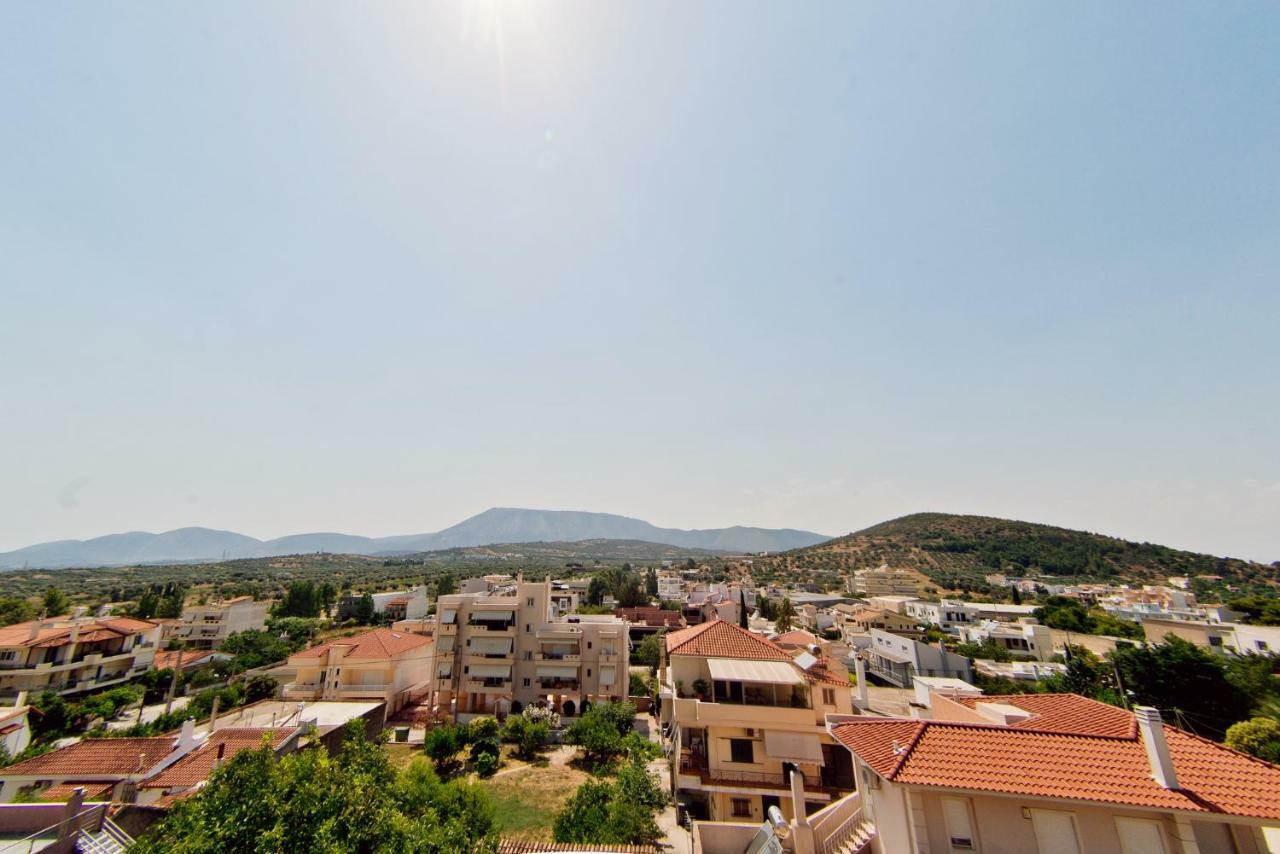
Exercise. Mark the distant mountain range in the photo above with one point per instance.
(496, 525)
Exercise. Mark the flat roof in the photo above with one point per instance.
(327, 714)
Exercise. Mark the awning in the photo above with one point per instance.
(445, 644)
(445, 669)
(490, 671)
(749, 670)
(557, 671)
(793, 746)
(449, 615)
(491, 646)
(606, 676)
(493, 616)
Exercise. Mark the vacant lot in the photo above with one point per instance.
(527, 798)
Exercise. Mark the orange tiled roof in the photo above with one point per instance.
(197, 765)
(20, 634)
(96, 757)
(169, 658)
(824, 672)
(1064, 765)
(796, 637)
(1069, 713)
(94, 790)
(376, 644)
(718, 639)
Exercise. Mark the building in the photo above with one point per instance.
(1227, 638)
(858, 619)
(1053, 774)
(207, 626)
(500, 653)
(670, 586)
(648, 621)
(948, 615)
(1027, 639)
(1019, 671)
(886, 582)
(898, 660)
(891, 602)
(128, 769)
(391, 606)
(70, 655)
(168, 659)
(743, 716)
(15, 728)
(379, 665)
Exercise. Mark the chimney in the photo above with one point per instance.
(1152, 729)
(187, 737)
(222, 749)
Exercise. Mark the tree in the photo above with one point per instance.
(786, 614)
(630, 594)
(308, 801)
(596, 590)
(1060, 612)
(1181, 677)
(254, 648)
(651, 583)
(148, 604)
(56, 603)
(15, 610)
(442, 744)
(600, 730)
(527, 735)
(301, 599)
(1015, 594)
(365, 609)
(621, 813)
(649, 651)
(585, 816)
(742, 609)
(328, 595)
(1258, 737)
(260, 687)
(446, 584)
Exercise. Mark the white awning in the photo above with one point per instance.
(606, 676)
(750, 670)
(493, 616)
(557, 671)
(490, 671)
(491, 646)
(448, 616)
(444, 644)
(445, 669)
(793, 747)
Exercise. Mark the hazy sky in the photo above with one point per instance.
(376, 267)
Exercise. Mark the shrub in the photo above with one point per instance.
(483, 729)
(486, 764)
(528, 736)
(442, 745)
(1258, 737)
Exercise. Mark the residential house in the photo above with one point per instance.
(168, 659)
(948, 615)
(648, 621)
(886, 582)
(207, 626)
(888, 602)
(391, 606)
(15, 727)
(1053, 774)
(898, 660)
(743, 716)
(379, 665)
(500, 653)
(859, 619)
(1019, 671)
(71, 655)
(670, 586)
(1027, 639)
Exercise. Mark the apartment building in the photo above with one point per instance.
(1051, 774)
(886, 582)
(898, 660)
(393, 605)
(70, 655)
(1026, 639)
(744, 716)
(947, 615)
(207, 626)
(500, 653)
(381, 665)
(1226, 638)
(670, 586)
(857, 619)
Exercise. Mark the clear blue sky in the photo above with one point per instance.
(284, 267)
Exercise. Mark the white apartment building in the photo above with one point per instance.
(1024, 639)
(500, 653)
(885, 582)
(393, 605)
(670, 588)
(898, 660)
(207, 626)
(947, 615)
(70, 655)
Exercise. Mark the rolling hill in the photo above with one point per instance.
(496, 525)
(954, 549)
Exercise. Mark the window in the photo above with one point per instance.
(742, 750)
(9, 655)
(959, 824)
(1055, 832)
(588, 671)
(526, 628)
(588, 644)
(1215, 640)
(528, 655)
(528, 603)
(1140, 836)
(526, 683)
(829, 696)
(742, 808)
(1261, 645)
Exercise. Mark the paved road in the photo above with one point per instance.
(149, 714)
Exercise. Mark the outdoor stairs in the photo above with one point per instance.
(109, 839)
(859, 842)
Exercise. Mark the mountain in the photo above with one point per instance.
(497, 525)
(958, 551)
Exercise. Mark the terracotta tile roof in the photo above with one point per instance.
(376, 644)
(105, 757)
(718, 639)
(796, 637)
(1069, 713)
(650, 616)
(1064, 765)
(59, 634)
(169, 658)
(94, 790)
(825, 672)
(528, 846)
(197, 765)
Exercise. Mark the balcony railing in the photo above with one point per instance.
(487, 684)
(559, 656)
(558, 684)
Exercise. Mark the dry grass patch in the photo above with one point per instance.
(528, 799)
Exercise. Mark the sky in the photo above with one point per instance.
(376, 267)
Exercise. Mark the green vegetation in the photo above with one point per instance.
(1258, 737)
(613, 813)
(528, 735)
(1259, 610)
(1060, 612)
(307, 801)
(649, 651)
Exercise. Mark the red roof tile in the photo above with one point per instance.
(105, 757)
(169, 658)
(825, 672)
(1064, 765)
(718, 639)
(62, 792)
(197, 765)
(796, 637)
(377, 644)
(1068, 713)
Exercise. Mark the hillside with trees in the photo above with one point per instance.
(958, 551)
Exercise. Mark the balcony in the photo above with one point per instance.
(558, 656)
(689, 711)
(559, 684)
(492, 626)
(487, 685)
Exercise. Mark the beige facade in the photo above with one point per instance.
(207, 626)
(380, 665)
(70, 655)
(499, 653)
(756, 721)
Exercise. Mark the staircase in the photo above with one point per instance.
(109, 839)
(858, 842)
(840, 828)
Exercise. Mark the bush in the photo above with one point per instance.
(528, 736)
(599, 732)
(260, 687)
(483, 729)
(543, 714)
(442, 745)
(1258, 737)
(486, 764)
